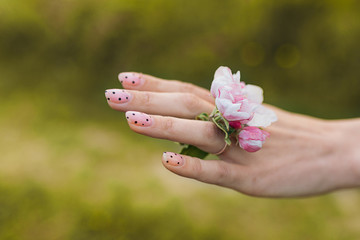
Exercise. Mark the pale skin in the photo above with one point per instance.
(303, 156)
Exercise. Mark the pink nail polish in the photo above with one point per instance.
(173, 159)
(139, 119)
(131, 79)
(117, 95)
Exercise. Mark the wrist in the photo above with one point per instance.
(346, 134)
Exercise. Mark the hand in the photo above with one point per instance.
(303, 155)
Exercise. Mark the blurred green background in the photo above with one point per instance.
(71, 169)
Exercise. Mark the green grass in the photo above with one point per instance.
(66, 178)
(70, 168)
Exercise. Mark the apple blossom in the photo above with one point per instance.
(251, 139)
(240, 106)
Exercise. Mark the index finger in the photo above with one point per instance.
(144, 82)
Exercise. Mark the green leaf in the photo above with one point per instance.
(226, 124)
(193, 151)
(232, 130)
(221, 127)
(203, 117)
(214, 112)
(228, 141)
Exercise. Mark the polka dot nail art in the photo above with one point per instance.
(117, 96)
(131, 79)
(139, 119)
(173, 159)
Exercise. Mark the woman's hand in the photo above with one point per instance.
(303, 155)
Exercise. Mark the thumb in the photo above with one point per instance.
(209, 171)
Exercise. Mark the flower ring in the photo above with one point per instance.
(239, 111)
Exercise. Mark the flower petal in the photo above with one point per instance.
(224, 72)
(222, 104)
(251, 145)
(236, 77)
(263, 117)
(254, 93)
(216, 85)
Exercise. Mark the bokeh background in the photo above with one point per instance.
(71, 169)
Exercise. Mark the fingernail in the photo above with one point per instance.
(117, 95)
(173, 159)
(131, 79)
(139, 119)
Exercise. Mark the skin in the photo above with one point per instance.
(303, 156)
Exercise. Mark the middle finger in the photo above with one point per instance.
(202, 134)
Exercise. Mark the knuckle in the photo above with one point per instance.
(145, 99)
(220, 175)
(210, 131)
(191, 102)
(198, 171)
(188, 87)
(167, 125)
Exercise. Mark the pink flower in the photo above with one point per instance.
(224, 80)
(240, 102)
(235, 111)
(251, 139)
(223, 76)
(241, 106)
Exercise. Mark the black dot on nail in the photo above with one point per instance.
(135, 121)
(133, 82)
(143, 124)
(127, 98)
(178, 162)
(119, 99)
(113, 92)
(108, 98)
(167, 161)
(171, 156)
(127, 117)
(175, 154)
(147, 120)
(134, 114)
(125, 76)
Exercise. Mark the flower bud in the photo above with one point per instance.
(236, 125)
(251, 139)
